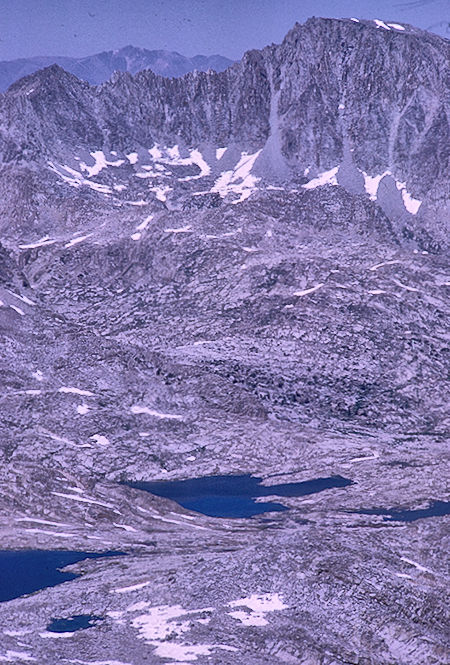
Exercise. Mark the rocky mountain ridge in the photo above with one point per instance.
(339, 100)
(96, 69)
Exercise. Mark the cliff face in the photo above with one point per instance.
(332, 88)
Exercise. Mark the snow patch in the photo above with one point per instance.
(184, 653)
(325, 178)
(259, 605)
(396, 26)
(220, 153)
(100, 163)
(158, 623)
(371, 183)
(381, 24)
(161, 192)
(132, 157)
(100, 439)
(143, 225)
(16, 655)
(411, 204)
(239, 180)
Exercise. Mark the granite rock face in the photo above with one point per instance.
(235, 272)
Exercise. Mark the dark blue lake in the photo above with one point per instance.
(26, 571)
(73, 623)
(234, 496)
(435, 509)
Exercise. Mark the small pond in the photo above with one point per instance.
(26, 571)
(435, 509)
(234, 496)
(73, 623)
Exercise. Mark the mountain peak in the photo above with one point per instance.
(98, 68)
(51, 76)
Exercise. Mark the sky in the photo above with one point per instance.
(229, 27)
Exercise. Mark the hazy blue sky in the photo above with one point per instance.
(228, 27)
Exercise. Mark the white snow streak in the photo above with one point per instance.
(416, 565)
(46, 240)
(181, 229)
(51, 533)
(75, 391)
(380, 265)
(24, 299)
(143, 225)
(18, 310)
(135, 587)
(405, 286)
(76, 240)
(375, 455)
(157, 414)
(16, 655)
(83, 499)
(307, 291)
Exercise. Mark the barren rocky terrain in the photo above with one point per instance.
(242, 272)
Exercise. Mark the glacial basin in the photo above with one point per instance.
(234, 496)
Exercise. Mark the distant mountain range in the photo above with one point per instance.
(98, 68)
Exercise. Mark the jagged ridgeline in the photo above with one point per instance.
(357, 103)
